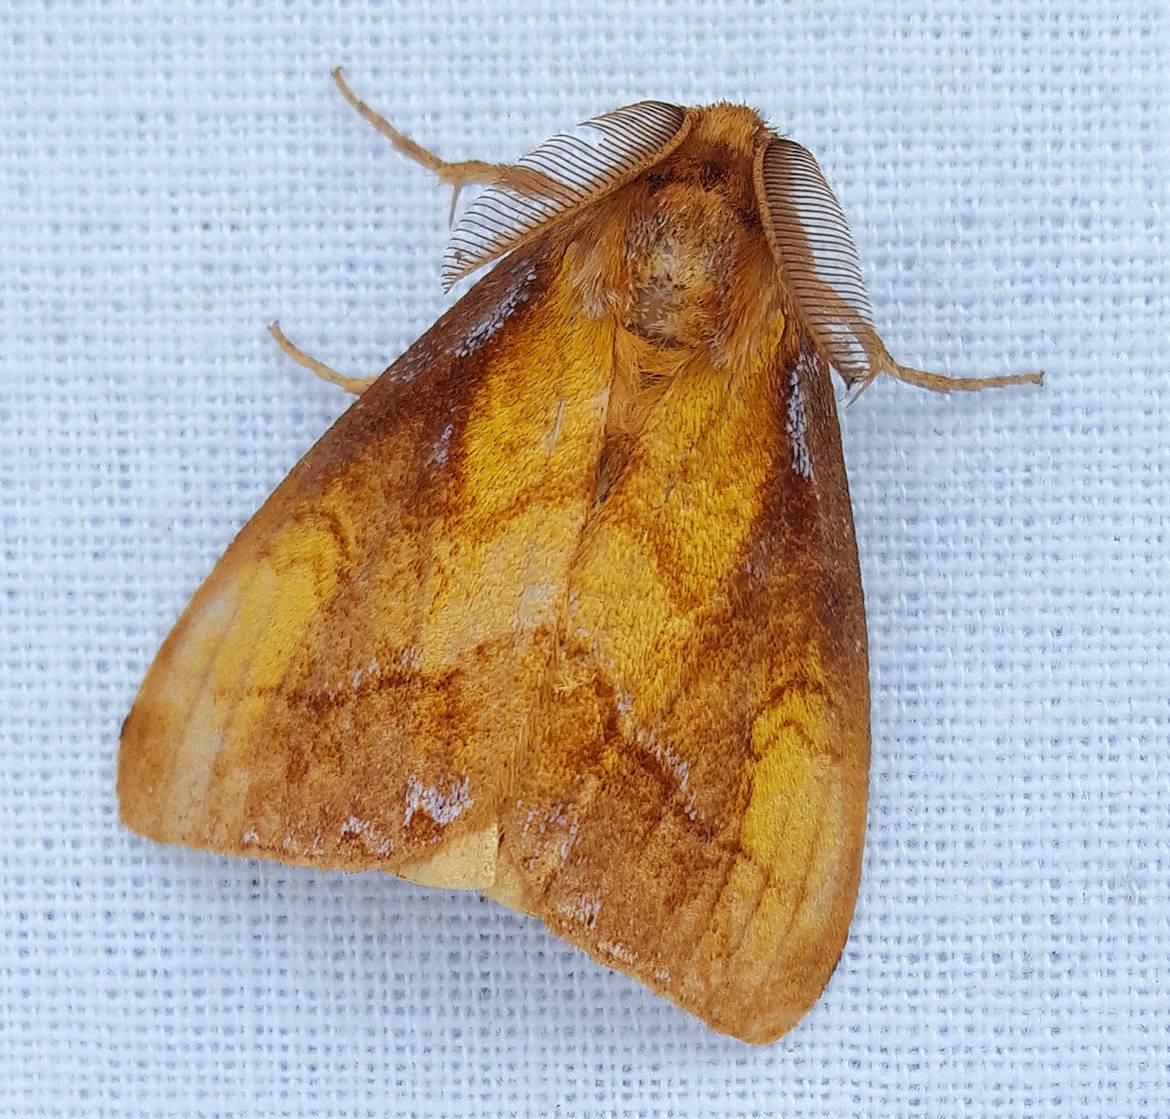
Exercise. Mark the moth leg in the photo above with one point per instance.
(356, 385)
(936, 382)
(456, 175)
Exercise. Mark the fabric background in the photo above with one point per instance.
(173, 177)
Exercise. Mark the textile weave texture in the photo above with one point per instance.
(175, 177)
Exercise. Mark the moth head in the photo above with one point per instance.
(696, 225)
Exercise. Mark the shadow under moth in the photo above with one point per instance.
(566, 607)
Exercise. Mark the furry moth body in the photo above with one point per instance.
(566, 608)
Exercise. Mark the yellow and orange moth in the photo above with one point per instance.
(566, 608)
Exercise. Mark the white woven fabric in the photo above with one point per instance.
(173, 177)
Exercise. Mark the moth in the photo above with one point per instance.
(566, 608)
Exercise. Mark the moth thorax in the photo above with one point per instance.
(698, 270)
